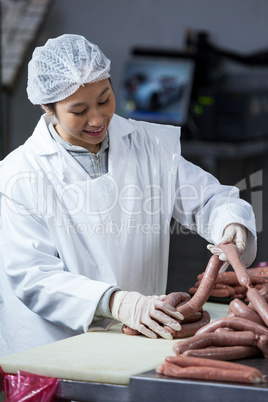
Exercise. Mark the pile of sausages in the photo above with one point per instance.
(243, 333)
(227, 284)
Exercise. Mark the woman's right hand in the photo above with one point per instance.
(145, 314)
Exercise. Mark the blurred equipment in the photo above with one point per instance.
(214, 94)
(157, 88)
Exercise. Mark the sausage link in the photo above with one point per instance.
(228, 278)
(220, 330)
(224, 286)
(224, 338)
(129, 331)
(236, 323)
(175, 298)
(220, 293)
(219, 290)
(192, 318)
(239, 296)
(230, 314)
(205, 288)
(262, 344)
(240, 290)
(258, 279)
(264, 292)
(224, 353)
(241, 310)
(259, 271)
(231, 252)
(208, 373)
(190, 329)
(259, 303)
(192, 290)
(185, 361)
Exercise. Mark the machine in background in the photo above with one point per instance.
(213, 94)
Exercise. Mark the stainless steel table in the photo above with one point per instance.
(151, 386)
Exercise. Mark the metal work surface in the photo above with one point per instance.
(151, 386)
(92, 392)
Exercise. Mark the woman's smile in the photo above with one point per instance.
(97, 132)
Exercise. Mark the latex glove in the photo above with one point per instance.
(145, 314)
(233, 233)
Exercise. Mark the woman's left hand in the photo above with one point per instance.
(233, 233)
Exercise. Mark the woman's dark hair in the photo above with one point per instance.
(51, 106)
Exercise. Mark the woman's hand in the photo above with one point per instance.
(145, 314)
(233, 233)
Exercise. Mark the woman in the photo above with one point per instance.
(86, 205)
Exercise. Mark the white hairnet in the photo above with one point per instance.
(61, 66)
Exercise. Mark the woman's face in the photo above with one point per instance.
(84, 116)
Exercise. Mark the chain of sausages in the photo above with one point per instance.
(227, 284)
(243, 333)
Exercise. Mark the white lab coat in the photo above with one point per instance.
(68, 238)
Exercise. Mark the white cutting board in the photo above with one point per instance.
(102, 356)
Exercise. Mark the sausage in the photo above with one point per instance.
(259, 271)
(207, 284)
(239, 296)
(190, 329)
(208, 373)
(233, 256)
(228, 278)
(259, 303)
(258, 279)
(224, 338)
(193, 290)
(216, 292)
(229, 314)
(224, 286)
(192, 318)
(175, 298)
(241, 310)
(185, 361)
(218, 285)
(224, 330)
(264, 292)
(223, 292)
(236, 323)
(224, 353)
(262, 344)
(240, 290)
(129, 331)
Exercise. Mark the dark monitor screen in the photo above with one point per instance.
(156, 89)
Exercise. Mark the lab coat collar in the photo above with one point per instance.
(45, 145)
(41, 138)
(120, 126)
